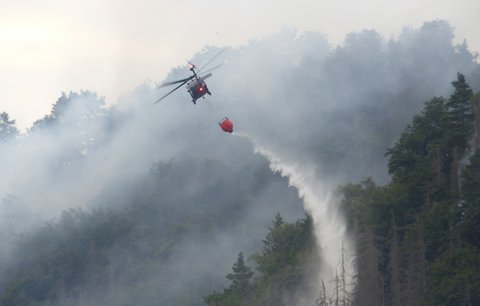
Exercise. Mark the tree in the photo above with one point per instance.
(454, 279)
(470, 205)
(460, 113)
(8, 129)
(279, 247)
(475, 99)
(284, 267)
(423, 141)
(425, 258)
(240, 278)
(214, 299)
(74, 109)
(460, 122)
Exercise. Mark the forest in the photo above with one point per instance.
(418, 237)
(134, 204)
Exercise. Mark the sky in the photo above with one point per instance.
(110, 47)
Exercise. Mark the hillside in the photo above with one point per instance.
(154, 249)
(418, 237)
(132, 203)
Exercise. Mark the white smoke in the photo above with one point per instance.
(321, 116)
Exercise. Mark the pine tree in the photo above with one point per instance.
(424, 140)
(278, 221)
(8, 129)
(460, 121)
(276, 246)
(240, 278)
(460, 112)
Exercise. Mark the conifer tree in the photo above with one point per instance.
(8, 130)
(240, 277)
(460, 125)
(460, 113)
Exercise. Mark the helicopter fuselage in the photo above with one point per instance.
(197, 88)
(195, 84)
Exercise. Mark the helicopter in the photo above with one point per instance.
(196, 86)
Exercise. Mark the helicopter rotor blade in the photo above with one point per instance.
(171, 91)
(213, 68)
(175, 82)
(212, 59)
(205, 76)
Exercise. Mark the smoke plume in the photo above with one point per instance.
(319, 116)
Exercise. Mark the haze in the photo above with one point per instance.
(113, 46)
(319, 114)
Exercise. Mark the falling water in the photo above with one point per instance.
(329, 222)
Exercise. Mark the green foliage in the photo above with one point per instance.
(240, 287)
(125, 256)
(65, 255)
(425, 233)
(367, 203)
(240, 278)
(218, 299)
(422, 144)
(282, 244)
(454, 279)
(437, 222)
(368, 209)
(460, 119)
(280, 263)
(470, 205)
